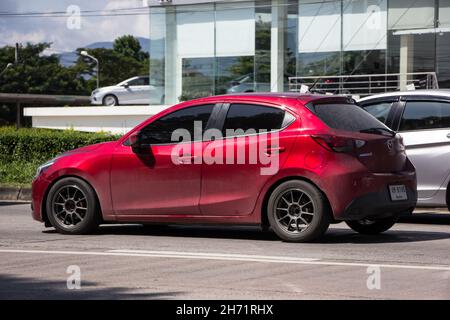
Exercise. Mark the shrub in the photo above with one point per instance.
(21, 151)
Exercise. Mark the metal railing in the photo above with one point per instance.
(365, 85)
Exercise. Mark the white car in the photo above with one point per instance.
(136, 90)
(422, 117)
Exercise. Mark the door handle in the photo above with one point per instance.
(275, 150)
(187, 159)
(448, 135)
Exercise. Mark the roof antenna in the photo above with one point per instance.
(314, 85)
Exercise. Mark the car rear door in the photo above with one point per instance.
(425, 127)
(249, 158)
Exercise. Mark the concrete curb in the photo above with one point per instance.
(15, 194)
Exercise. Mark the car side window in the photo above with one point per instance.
(422, 115)
(137, 82)
(379, 110)
(253, 117)
(160, 131)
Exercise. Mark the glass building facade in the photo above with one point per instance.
(201, 48)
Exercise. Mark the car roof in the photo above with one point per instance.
(274, 97)
(435, 93)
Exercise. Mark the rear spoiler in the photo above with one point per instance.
(329, 100)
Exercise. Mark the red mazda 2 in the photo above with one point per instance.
(293, 163)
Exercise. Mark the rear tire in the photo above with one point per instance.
(372, 227)
(72, 207)
(298, 212)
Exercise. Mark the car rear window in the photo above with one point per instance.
(346, 117)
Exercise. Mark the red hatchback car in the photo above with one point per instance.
(312, 160)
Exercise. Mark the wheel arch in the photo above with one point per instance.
(265, 202)
(47, 191)
(448, 196)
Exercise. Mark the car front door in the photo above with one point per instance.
(425, 127)
(231, 186)
(135, 92)
(149, 182)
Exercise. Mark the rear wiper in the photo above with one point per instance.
(379, 131)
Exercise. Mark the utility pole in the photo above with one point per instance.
(16, 54)
(18, 106)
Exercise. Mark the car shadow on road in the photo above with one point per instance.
(12, 203)
(334, 235)
(391, 236)
(14, 288)
(427, 218)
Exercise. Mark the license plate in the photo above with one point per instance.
(398, 193)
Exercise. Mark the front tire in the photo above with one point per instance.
(372, 227)
(72, 207)
(298, 212)
(110, 100)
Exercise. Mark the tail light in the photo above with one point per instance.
(337, 143)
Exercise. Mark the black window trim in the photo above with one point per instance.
(226, 107)
(209, 125)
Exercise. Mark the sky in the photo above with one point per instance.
(68, 32)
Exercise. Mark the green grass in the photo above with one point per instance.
(17, 173)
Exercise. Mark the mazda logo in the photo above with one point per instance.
(390, 145)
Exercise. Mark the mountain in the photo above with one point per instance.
(68, 59)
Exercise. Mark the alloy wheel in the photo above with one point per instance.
(110, 101)
(70, 206)
(295, 210)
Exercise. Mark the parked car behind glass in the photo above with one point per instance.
(136, 90)
(423, 119)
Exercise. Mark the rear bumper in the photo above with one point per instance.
(355, 193)
(379, 205)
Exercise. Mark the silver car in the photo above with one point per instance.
(423, 119)
(136, 90)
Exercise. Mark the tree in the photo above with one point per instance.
(124, 61)
(38, 73)
(129, 46)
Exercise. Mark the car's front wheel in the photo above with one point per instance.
(72, 207)
(298, 212)
(372, 226)
(110, 100)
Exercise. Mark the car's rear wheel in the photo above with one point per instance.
(298, 212)
(72, 207)
(110, 100)
(372, 226)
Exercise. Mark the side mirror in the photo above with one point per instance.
(126, 85)
(134, 141)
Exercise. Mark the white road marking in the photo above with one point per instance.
(229, 257)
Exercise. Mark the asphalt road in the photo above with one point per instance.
(412, 261)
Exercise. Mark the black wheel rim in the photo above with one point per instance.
(294, 211)
(69, 206)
